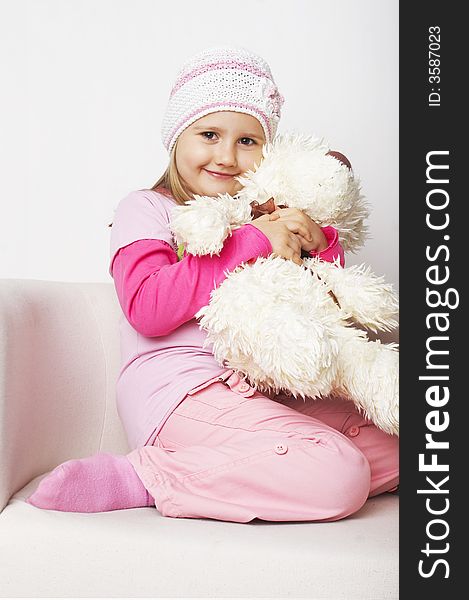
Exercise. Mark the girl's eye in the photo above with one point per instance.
(211, 133)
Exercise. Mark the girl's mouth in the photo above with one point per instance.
(218, 175)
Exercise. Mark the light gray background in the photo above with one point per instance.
(86, 83)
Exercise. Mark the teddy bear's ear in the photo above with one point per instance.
(340, 157)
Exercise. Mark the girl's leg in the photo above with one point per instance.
(216, 444)
(224, 456)
(380, 449)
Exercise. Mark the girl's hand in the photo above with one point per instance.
(283, 241)
(308, 232)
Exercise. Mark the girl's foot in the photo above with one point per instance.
(96, 484)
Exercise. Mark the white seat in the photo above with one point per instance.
(59, 359)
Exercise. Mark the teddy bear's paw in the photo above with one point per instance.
(203, 224)
(387, 420)
(384, 412)
(370, 378)
(362, 295)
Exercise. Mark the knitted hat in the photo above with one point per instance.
(222, 78)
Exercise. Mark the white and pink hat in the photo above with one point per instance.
(222, 78)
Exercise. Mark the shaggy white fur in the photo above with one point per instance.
(274, 321)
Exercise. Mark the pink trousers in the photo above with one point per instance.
(228, 452)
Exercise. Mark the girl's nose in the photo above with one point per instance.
(225, 155)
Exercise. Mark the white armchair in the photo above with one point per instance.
(59, 359)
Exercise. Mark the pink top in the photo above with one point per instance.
(161, 344)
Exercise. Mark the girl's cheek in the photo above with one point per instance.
(194, 155)
(200, 154)
(255, 159)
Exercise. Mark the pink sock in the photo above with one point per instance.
(96, 484)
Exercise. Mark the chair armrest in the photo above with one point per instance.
(59, 360)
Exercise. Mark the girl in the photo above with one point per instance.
(205, 443)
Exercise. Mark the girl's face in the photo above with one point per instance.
(224, 142)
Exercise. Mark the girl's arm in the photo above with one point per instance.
(158, 294)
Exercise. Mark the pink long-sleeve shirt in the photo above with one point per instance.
(162, 354)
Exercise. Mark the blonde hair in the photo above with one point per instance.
(170, 183)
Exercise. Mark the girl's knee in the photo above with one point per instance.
(354, 483)
(344, 485)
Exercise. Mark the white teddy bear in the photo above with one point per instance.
(287, 327)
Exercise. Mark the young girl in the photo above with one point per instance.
(205, 443)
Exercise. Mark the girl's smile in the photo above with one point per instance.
(220, 175)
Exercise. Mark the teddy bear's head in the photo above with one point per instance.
(300, 171)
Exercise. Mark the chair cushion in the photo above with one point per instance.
(139, 553)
